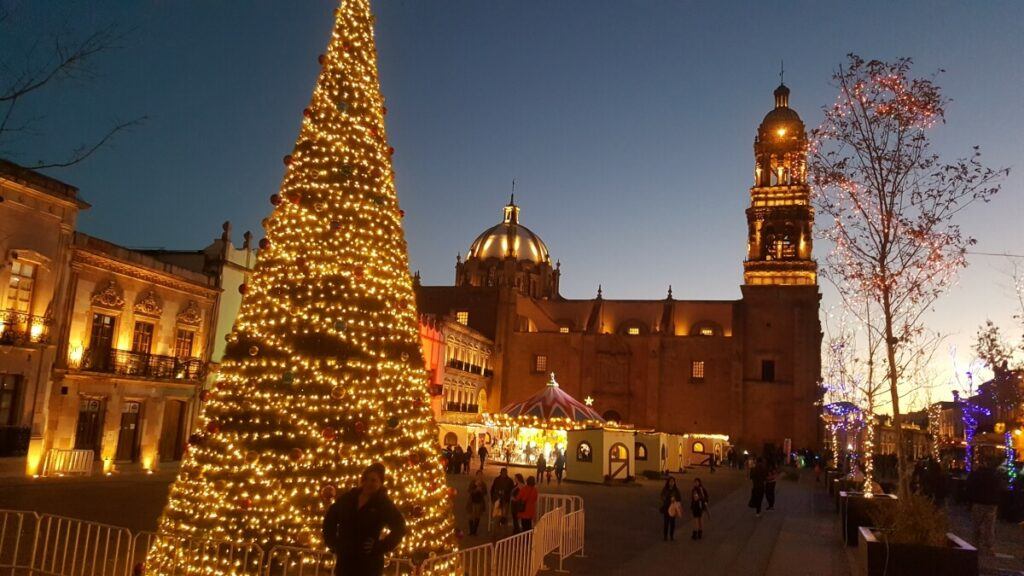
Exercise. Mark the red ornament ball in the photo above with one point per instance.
(384, 110)
(414, 459)
(459, 534)
(417, 511)
(391, 151)
(328, 433)
(328, 492)
(307, 112)
(264, 243)
(213, 427)
(359, 427)
(296, 454)
(288, 160)
(452, 492)
(246, 503)
(243, 288)
(275, 199)
(359, 271)
(204, 395)
(321, 59)
(401, 213)
(296, 197)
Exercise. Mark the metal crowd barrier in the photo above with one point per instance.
(50, 545)
(64, 462)
(567, 502)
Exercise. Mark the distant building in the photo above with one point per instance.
(746, 368)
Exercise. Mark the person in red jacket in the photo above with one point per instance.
(528, 509)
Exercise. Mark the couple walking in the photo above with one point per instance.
(762, 485)
(672, 508)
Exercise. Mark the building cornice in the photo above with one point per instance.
(86, 257)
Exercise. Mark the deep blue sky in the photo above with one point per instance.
(628, 125)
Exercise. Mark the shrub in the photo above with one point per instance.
(913, 520)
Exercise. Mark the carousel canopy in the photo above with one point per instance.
(553, 402)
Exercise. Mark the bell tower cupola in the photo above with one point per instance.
(780, 218)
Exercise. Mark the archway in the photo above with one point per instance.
(451, 439)
(618, 461)
(612, 416)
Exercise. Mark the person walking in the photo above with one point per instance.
(527, 498)
(769, 485)
(354, 524)
(457, 455)
(984, 489)
(517, 503)
(669, 496)
(542, 467)
(482, 453)
(758, 476)
(477, 504)
(698, 507)
(501, 496)
(559, 465)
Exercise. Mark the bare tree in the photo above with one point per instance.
(56, 57)
(892, 205)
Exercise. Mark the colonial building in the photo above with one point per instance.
(133, 354)
(37, 220)
(748, 368)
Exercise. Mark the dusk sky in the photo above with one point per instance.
(627, 125)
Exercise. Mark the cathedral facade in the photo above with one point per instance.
(748, 368)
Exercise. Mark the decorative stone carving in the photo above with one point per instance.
(149, 304)
(109, 297)
(191, 314)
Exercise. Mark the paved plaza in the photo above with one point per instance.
(623, 525)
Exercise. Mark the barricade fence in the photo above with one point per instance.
(572, 536)
(50, 545)
(567, 502)
(60, 462)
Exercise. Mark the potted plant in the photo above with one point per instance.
(912, 538)
(856, 509)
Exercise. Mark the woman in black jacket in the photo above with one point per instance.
(669, 496)
(354, 523)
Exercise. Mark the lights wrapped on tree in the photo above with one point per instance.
(322, 374)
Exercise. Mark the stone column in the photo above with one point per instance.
(152, 426)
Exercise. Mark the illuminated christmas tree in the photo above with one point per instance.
(323, 373)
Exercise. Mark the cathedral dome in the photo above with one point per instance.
(509, 238)
(782, 121)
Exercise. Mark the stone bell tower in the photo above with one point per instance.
(780, 218)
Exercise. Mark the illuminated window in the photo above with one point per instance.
(462, 317)
(640, 450)
(183, 343)
(19, 290)
(540, 363)
(697, 371)
(697, 448)
(707, 331)
(633, 331)
(768, 370)
(584, 453)
(142, 338)
(564, 329)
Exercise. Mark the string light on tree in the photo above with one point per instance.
(323, 373)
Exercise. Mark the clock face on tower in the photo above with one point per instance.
(780, 218)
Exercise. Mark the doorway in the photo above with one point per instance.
(128, 437)
(172, 445)
(101, 340)
(90, 424)
(618, 462)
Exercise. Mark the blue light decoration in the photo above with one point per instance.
(970, 411)
(1011, 461)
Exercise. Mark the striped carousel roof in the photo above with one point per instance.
(553, 402)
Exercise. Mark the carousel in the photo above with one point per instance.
(538, 426)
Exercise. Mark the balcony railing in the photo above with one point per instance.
(22, 328)
(140, 365)
(459, 407)
(471, 368)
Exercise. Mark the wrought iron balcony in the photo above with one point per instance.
(471, 368)
(22, 328)
(460, 407)
(140, 365)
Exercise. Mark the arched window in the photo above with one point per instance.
(706, 328)
(641, 451)
(584, 452)
(612, 416)
(697, 448)
(664, 452)
(451, 439)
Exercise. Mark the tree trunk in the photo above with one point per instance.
(891, 342)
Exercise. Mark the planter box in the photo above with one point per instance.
(878, 558)
(846, 485)
(855, 511)
(830, 476)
